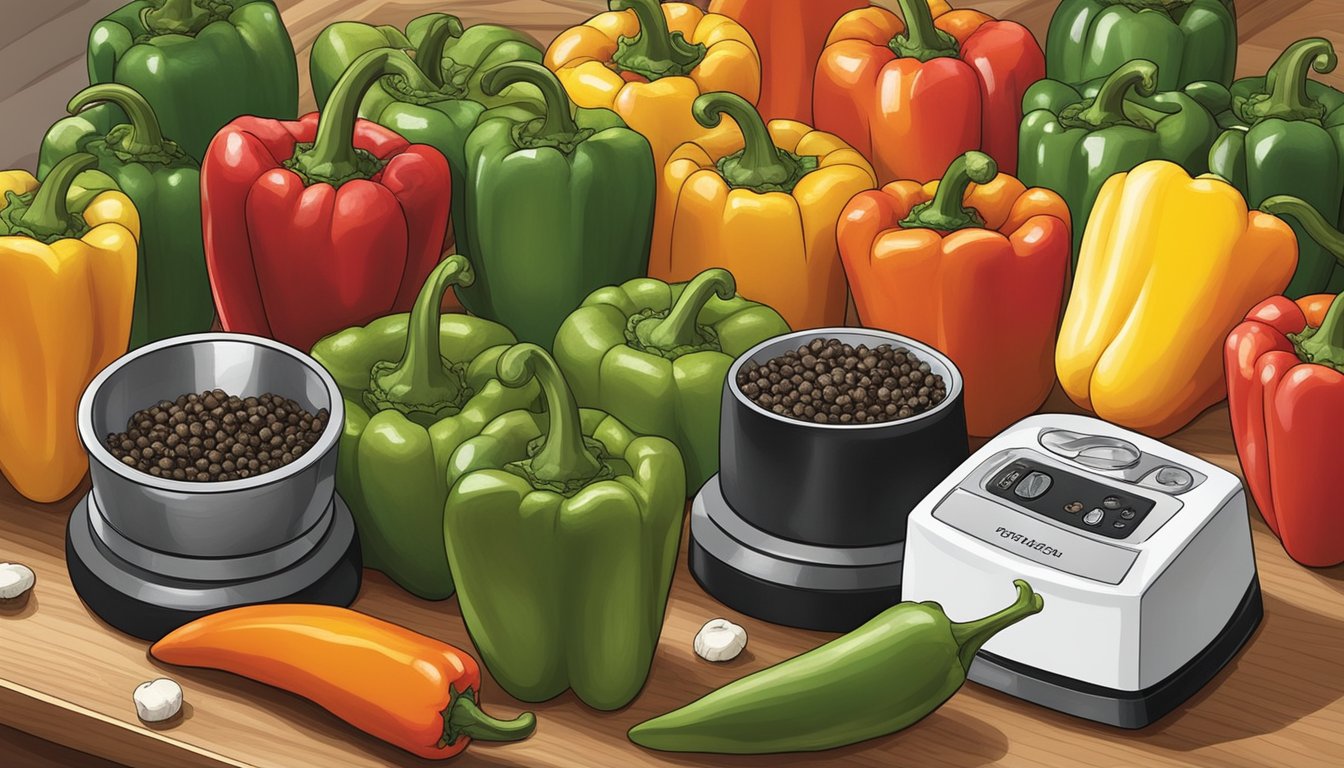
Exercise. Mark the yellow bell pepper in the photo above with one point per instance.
(648, 62)
(762, 202)
(67, 287)
(1168, 266)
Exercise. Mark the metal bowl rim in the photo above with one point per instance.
(954, 383)
(99, 452)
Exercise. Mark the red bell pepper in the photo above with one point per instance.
(1285, 389)
(322, 223)
(789, 35)
(912, 101)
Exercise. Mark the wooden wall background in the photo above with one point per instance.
(42, 42)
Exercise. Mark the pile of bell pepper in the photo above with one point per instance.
(1112, 212)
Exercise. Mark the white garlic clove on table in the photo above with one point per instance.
(158, 700)
(15, 579)
(720, 640)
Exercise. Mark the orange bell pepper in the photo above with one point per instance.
(762, 202)
(983, 283)
(649, 61)
(914, 100)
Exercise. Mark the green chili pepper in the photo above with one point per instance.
(1075, 138)
(882, 677)
(415, 387)
(656, 355)
(562, 529)
(200, 63)
(172, 287)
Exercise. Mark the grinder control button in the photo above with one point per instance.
(1033, 486)
(1094, 517)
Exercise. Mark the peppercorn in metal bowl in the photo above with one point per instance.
(149, 552)
(805, 523)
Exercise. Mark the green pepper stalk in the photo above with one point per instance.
(679, 331)
(884, 676)
(47, 218)
(922, 40)
(557, 128)
(178, 17)
(1323, 345)
(1108, 107)
(423, 385)
(1286, 95)
(655, 52)
(143, 135)
(429, 54)
(945, 212)
(760, 166)
(333, 158)
(563, 458)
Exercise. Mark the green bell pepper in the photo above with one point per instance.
(656, 355)
(172, 291)
(199, 63)
(1285, 136)
(415, 388)
(1071, 144)
(560, 205)
(454, 60)
(563, 530)
(1189, 40)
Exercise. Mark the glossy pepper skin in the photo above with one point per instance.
(199, 63)
(762, 202)
(1154, 296)
(1286, 399)
(978, 272)
(881, 678)
(655, 357)
(409, 690)
(563, 529)
(1188, 40)
(560, 205)
(1072, 144)
(172, 292)
(415, 387)
(1285, 136)
(324, 223)
(454, 60)
(789, 35)
(648, 61)
(912, 101)
(67, 288)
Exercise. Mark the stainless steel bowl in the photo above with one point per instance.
(220, 519)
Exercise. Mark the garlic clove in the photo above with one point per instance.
(158, 700)
(15, 579)
(720, 640)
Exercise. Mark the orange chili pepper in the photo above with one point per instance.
(976, 270)
(407, 689)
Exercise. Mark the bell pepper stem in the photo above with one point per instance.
(679, 328)
(429, 54)
(181, 17)
(464, 717)
(420, 380)
(563, 457)
(1326, 344)
(656, 51)
(1108, 108)
(559, 120)
(760, 162)
(145, 134)
(922, 39)
(1286, 82)
(1311, 220)
(48, 214)
(945, 211)
(333, 157)
(971, 635)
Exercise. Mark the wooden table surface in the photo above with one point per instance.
(67, 678)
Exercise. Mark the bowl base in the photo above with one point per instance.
(149, 605)
(830, 589)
